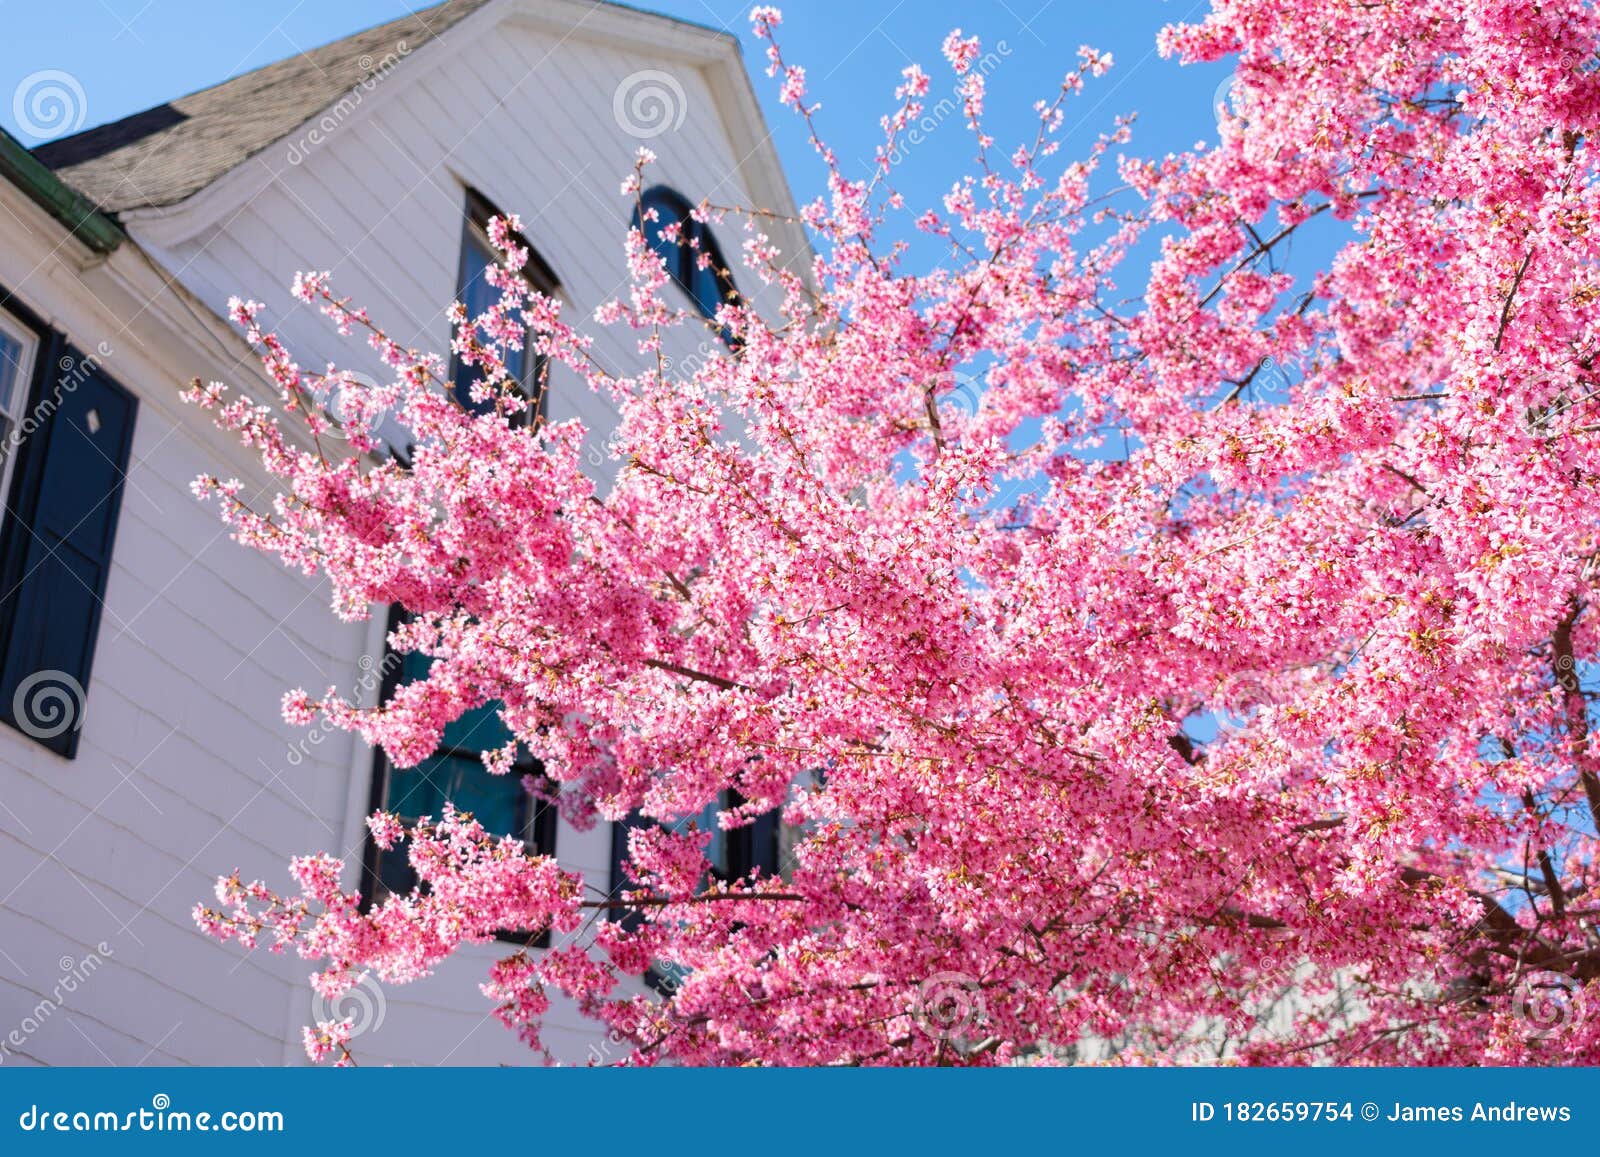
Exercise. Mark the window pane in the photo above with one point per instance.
(675, 254)
(455, 772)
(15, 359)
(718, 851)
(395, 876)
(706, 289)
(411, 794)
(10, 367)
(499, 802)
(478, 295)
(479, 729)
(667, 215)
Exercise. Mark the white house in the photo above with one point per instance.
(142, 653)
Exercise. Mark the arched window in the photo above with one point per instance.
(707, 287)
(474, 291)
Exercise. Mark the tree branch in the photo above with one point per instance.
(690, 673)
(1511, 296)
(708, 898)
(1566, 673)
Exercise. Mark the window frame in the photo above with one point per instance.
(683, 264)
(540, 828)
(477, 211)
(542, 821)
(740, 854)
(15, 408)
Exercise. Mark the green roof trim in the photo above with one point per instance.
(54, 196)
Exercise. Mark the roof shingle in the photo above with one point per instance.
(164, 154)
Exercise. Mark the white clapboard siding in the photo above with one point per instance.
(186, 769)
(183, 769)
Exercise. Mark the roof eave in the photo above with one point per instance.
(81, 218)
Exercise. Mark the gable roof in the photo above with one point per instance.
(179, 168)
(164, 154)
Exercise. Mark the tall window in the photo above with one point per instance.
(455, 773)
(708, 283)
(474, 291)
(18, 349)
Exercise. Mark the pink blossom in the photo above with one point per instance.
(1121, 643)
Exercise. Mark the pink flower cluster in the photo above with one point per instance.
(1134, 663)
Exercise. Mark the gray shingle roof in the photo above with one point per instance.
(164, 154)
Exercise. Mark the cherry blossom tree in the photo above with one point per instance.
(1120, 666)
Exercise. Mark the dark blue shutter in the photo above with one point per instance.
(57, 544)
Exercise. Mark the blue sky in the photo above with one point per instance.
(127, 55)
